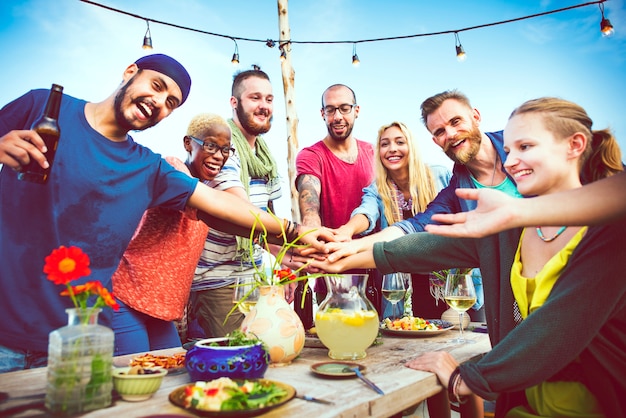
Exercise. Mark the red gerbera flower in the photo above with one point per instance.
(285, 275)
(66, 264)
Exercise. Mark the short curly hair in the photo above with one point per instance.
(200, 123)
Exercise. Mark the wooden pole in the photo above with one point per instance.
(289, 90)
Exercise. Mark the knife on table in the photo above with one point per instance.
(312, 399)
(367, 381)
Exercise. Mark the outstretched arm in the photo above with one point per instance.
(357, 224)
(362, 260)
(340, 250)
(595, 203)
(309, 189)
(235, 210)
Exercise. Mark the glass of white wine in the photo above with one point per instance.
(394, 288)
(460, 295)
(246, 294)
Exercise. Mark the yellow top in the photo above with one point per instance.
(549, 399)
(531, 292)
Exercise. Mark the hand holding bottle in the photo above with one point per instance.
(19, 148)
(47, 128)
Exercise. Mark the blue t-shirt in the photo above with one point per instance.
(96, 195)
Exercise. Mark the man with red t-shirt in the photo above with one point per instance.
(332, 173)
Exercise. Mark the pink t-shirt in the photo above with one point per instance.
(342, 183)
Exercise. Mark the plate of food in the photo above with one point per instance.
(410, 326)
(230, 398)
(336, 368)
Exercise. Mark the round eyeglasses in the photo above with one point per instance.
(212, 147)
(344, 109)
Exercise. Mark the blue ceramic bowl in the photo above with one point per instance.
(205, 362)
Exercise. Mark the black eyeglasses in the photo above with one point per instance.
(212, 147)
(344, 109)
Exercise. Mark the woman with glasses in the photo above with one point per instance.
(154, 277)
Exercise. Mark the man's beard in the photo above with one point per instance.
(336, 137)
(119, 113)
(473, 137)
(247, 121)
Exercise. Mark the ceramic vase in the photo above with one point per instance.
(274, 322)
(80, 361)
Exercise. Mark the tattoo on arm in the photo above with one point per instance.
(309, 189)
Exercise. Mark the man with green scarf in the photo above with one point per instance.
(251, 174)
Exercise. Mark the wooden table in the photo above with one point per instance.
(384, 363)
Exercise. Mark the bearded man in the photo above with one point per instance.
(251, 174)
(332, 173)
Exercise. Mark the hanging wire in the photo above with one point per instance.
(502, 22)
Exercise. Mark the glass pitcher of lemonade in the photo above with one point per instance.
(346, 321)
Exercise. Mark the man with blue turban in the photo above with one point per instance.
(100, 185)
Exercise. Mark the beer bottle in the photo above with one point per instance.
(47, 126)
(304, 311)
(371, 291)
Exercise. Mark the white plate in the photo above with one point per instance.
(425, 333)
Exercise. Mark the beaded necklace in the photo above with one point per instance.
(544, 239)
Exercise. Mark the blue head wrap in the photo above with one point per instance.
(170, 67)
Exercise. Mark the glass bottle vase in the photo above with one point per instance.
(80, 361)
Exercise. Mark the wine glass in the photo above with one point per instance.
(246, 294)
(460, 295)
(394, 288)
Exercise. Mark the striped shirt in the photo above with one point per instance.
(219, 264)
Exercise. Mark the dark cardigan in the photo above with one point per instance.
(584, 317)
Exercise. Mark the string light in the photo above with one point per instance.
(355, 57)
(460, 52)
(235, 59)
(147, 38)
(605, 24)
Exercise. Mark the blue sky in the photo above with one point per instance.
(86, 48)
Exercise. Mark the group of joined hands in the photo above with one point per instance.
(324, 253)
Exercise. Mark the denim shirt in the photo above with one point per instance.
(447, 200)
(372, 205)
